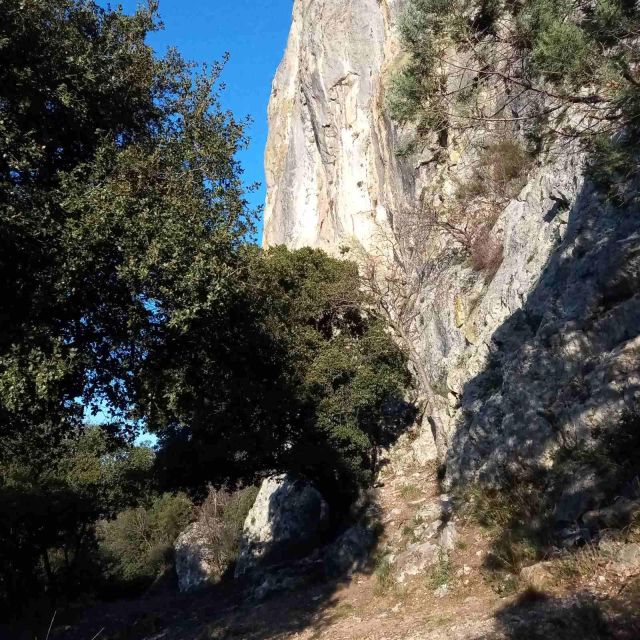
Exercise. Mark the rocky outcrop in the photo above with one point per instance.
(286, 521)
(538, 354)
(330, 169)
(194, 563)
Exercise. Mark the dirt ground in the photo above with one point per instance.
(465, 604)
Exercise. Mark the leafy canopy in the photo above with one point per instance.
(121, 210)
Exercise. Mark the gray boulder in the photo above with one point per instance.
(194, 562)
(285, 522)
(349, 552)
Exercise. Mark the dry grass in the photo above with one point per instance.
(582, 564)
(441, 572)
(486, 252)
(409, 492)
(384, 576)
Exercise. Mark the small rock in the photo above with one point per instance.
(629, 555)
(577, 498)
(415, 560)
(537, 576)
(195, 566)
(448, 537)
(430, 512)
(349, 552)
(441, 591)
(616, 516)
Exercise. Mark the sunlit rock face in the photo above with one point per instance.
(330, 164)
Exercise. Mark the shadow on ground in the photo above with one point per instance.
(535, 616)
(224, 611)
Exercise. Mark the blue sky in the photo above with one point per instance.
(255, 33)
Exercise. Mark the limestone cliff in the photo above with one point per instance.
(539, 351)
(330, 167)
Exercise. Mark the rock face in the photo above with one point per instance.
(330, 172)
(541, 353)
(286, 520)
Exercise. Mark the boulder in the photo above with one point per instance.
(286, 521)
(577, 497)
(615, 516)
(629, 555)
(415, 560)
(193, 559)
(349, 552)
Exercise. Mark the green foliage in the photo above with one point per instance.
(222, 515)
(127, 288)
(561, 51)
(47, 530)
(427, 27)
(120, 205)
(581, 54)
(138, 544)
(314, 384)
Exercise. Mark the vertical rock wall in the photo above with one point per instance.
(330, 166)
(516, 357)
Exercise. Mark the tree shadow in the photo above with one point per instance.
(303, 596)
(535, 616)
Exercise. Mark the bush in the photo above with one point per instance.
(138, 544)
(223, 515)
(486, 252)
(562, 53)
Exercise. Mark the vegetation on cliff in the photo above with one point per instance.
(544, 56)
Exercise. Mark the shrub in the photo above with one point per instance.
(138, 544)
(486, 252)
(498, 174)
(497, 177)
(405, 95)
(223, 515)
(562, 53)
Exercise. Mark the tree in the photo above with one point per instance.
(305, 380)
(122, 214)
(129, 290)
(119, 191)
(47, 531)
